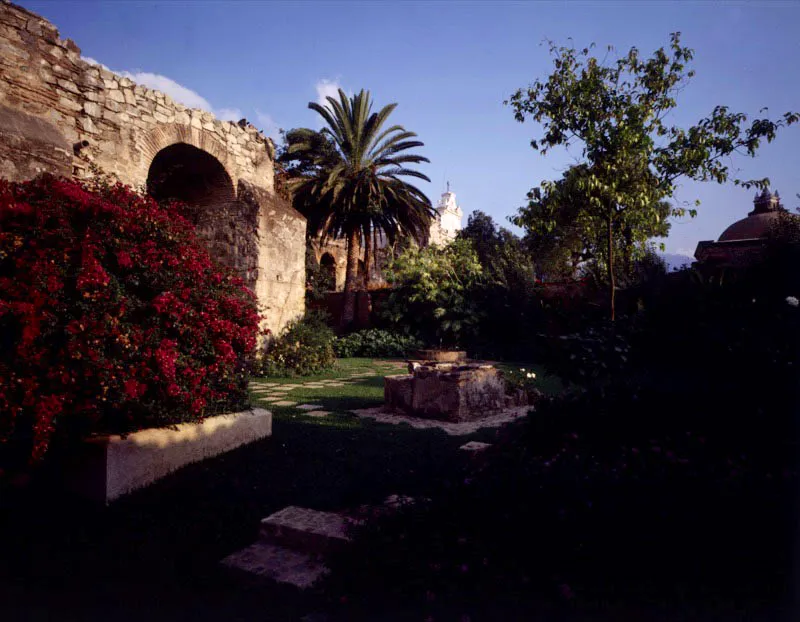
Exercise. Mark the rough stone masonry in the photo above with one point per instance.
(62, 115)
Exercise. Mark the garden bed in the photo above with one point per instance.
(112, 466)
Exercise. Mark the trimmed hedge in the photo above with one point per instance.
(376, 343)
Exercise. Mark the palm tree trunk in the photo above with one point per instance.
(351, 276)
(375, 256)
(367, 259)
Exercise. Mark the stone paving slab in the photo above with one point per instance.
(306, 530)
(310, 406)
(381, 415)
(271, 399)
(318, 413)
(285, 403)
(278, 563)
(475, 446)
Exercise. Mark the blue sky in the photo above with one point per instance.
(450, 65)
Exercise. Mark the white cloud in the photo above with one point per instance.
(327, 88)
(228, 114)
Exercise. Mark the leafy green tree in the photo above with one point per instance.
(349, 179)
(433, 294)
(617, 113)
(566, 233)
(500, 252)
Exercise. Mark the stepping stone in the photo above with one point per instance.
(475, 446)
(396, 501)
(310, 406)
(277, 563)
(315, 386)
(272, 399)
(318, 413)
(336, 384)
(285, 403)
(305, 530)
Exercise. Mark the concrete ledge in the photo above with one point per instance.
(112, 466)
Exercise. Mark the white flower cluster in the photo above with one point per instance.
(792, 301)
(529, 374)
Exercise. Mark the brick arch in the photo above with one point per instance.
(155, 140)
(228, 226)
(106, 123)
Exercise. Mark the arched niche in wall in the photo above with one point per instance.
(184, 173)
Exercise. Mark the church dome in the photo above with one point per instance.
(759, 222)
(752, 227)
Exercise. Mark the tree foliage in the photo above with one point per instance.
(567, 235)
(433, 295)
(502, 254)
(350, 178)
(632, 158)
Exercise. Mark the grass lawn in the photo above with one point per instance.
(154, 554)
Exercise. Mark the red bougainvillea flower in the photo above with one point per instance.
(113, 317)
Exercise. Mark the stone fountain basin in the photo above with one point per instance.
(446, 391)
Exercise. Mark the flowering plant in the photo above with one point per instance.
(521, 378)
(113, 317)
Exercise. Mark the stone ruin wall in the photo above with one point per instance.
(62, 115)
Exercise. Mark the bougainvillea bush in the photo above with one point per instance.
(113, 317)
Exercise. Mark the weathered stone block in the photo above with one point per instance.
(92, 109)
(305, 530)
(442, 356)
(68, 103)
(69, 85)
(87, 125)
(447, 392)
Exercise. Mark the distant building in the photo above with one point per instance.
(331, 255)
(447, 220)
(743, 243)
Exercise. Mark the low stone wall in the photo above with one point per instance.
(113, 466)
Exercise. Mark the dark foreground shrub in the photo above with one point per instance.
(305, 347)
(113, 317)
(375, 342)
(593, 499)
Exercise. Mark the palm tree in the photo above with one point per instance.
(349, 180)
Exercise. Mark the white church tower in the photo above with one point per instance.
(447, 220)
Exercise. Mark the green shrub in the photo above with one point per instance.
(305, 347)
(377, 343)
(434, 293)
